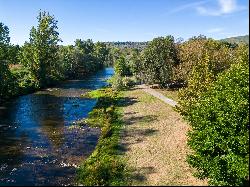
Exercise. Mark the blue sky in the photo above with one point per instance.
(128, 20)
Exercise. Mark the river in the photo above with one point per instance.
(39, 143)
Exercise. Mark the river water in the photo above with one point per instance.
(39, 143)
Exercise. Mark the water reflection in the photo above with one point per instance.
(37, 144)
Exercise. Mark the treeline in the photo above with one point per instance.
(128, 44)
(42, 62)
(214, 98)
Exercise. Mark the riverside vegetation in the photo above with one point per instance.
(213, 82)
(212, 78)
(105, 166)
(42, 62)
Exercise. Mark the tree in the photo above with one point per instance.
(201, 62)
(158, 60)
(191, 52)
(5, 75)
(220, 128)
(40, 55)
(101, 52)
(121, 67)
(87, 46)
(134, 62)
(69, 60)
(13, 52)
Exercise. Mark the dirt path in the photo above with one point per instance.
(154, 142)
(158, 95)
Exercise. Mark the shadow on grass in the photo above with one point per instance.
(126, 101)
(140, 119)
(138, 175)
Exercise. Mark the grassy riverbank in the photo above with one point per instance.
(105, 166)
(143, 142)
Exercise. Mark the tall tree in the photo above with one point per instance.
(43, 45)
(101, 52)
(159, 57)
(4, 69)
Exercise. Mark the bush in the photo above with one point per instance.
(121, 83)
(220, 129)
(24, 80)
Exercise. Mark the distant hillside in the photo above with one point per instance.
(238, 39)
(121, 45)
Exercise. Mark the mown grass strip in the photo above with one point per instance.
(105, 167)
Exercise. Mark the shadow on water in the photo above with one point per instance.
(39, 145)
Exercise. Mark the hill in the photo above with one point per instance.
(128, 44)
(238, 39)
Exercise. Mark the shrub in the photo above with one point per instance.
(220, 129)
(24, 80)
(121, 83)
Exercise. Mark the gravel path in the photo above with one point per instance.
(158, 95)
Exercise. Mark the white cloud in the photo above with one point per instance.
(228, 6)
(186, 6)
(225, 7)
(215, 30)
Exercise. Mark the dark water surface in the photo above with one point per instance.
(39, 145)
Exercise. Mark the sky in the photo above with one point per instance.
(128, 20)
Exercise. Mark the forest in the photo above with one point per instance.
(211, 77)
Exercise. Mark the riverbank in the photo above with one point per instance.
(143, 142)
(105, 166)
(23, 83)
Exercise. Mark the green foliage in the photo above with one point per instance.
(24, 81)
(5, 75)
(41, 62)
(91, 57)
(104, 167)
(215, 102)
(158, 60)
(134, 62)
(40, 55)
(121, 67)
(4, 34)
(101, 52)
(191, 52)
(220, 128)
(201, 61)
(13, 52)
(121, 83)
(68, 57)
(128, 45)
